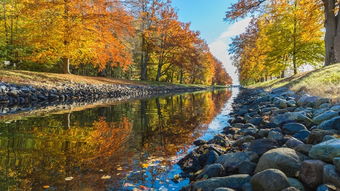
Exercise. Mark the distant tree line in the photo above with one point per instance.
(132, 39)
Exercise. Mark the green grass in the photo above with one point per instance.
(323, 82)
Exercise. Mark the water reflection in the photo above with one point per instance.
(117, 147)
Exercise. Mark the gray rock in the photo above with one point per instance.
(285, 159)
(292, 128)
(291, 117)
(302, 135)
(292, 142)
(312, 101)
(212, 157)
(256, 121)
(304, 149)
(233, 181)
(336, 162)
(261, 146)
(248, 131)
(221, 140)
(199, 142)
(328, 137)
(317, 135)
(243, 139)
(325, 116)
(246, 167)
(247, 187)
(296, 184)
(311, 172)
(231, 161)
(335, 108)
(330, 124)
(275, 135)
(291, 103)
(280, 103)
(269, 180)
(326, 151)
(263, 132)
(213, 170)
(331, 176)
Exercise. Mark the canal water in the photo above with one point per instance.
(132, 145)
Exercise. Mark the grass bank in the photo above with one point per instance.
(324, 82)
(50, 80)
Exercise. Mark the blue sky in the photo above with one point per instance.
(207, 16)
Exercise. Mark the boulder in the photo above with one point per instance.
(304, 149)
(212, 157)
(280, 103)
(246, 167)
(199, 142)
(291, 117)
(311, 172)
(325, 116)
(296, 184)
(256, 121)
(335, 108)
(247, 187)
(326, 151)
(243, 139)
(221, 140)
(261, 146)
(233, 182)
(231, 161)
(292, 128)
(269, 180)
(330, 124)
(331, 176)
(285, 159)
(311, 101)
(275, 135)
(292, 142)
(302, 135)
(316, 136)
(213, 170)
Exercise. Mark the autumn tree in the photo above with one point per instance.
(330, 9)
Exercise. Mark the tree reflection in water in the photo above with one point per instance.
(131, 143)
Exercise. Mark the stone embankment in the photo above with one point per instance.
(277, 141)
(16, 97)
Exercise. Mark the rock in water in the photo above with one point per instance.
(311, 172)
(269, 180)
(326, 151)
(233, 181)
(285, 159)
(213, 170)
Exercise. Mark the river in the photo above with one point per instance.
(120, 146)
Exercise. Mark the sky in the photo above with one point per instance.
(207, 16)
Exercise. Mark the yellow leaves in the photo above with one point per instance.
(145, 165)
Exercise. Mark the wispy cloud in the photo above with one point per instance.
(219, 47)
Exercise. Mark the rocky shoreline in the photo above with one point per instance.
(14, 98)
(276, 141)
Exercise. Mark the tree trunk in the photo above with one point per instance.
(181, 77)
(159, 71)
(294, 39)
(66, 65)
(283, 74)
(331, 30)
(144, 61)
